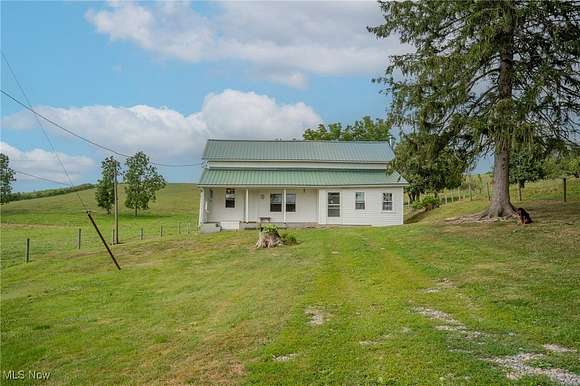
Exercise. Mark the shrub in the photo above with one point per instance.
(430, 202)
(289, 239)
(417, 205)
(270, 228)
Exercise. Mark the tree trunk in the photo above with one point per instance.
(520, 187)
(500, 201)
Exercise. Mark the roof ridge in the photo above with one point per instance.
(293, 140)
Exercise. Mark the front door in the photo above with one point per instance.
(333, 208)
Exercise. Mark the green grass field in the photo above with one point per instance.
(425, 303)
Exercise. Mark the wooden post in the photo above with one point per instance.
(116, 232)
(27, 254)
(488, 195)
(141, 234)
(103, 240)
(161, 231)
(445, 193)
(79, 239)
(113, 236)
(564, 187)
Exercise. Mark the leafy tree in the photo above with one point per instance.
(141, 182)
(486, 72)
(563, 163)
(364, 130)
(6, 179)
(428, 163)
(526, 164)
(104, 193)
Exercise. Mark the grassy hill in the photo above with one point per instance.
(423, 303)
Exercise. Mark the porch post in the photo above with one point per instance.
(284, 206)
(202, 206)
(246, 209)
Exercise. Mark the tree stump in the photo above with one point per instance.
(268, 240)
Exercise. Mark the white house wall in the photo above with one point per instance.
(371, 215)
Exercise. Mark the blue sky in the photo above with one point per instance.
(163, 77)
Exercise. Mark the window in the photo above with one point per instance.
(276, 202)
(388, 201)
(290, 202)
(333, 204)
(359, 200)
(230, 198)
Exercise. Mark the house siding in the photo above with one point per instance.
(371, 215)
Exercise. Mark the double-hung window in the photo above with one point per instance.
(290, 202)
(359, 200)
(276, 202)
(387, 202)
(230, 198)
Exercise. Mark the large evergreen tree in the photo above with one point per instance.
(486, 72)
(141, 182)
(104, 193)
(6, 179)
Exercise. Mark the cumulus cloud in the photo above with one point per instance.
(166, 134)
(284, 40)
(42, 163)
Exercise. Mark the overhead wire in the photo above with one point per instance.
(96, 144)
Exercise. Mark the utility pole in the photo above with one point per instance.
(116, 233)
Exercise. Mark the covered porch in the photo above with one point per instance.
(239, 207)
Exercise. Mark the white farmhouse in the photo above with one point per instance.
(298, 183)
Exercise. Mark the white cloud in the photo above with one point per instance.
(44, 164)
(284, 40)
(166, 134)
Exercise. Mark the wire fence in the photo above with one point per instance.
(26, 242)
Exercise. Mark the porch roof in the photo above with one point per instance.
(298, 177)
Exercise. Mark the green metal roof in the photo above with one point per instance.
(298, 177)
(329, 151)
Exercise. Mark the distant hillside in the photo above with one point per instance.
(19, 196)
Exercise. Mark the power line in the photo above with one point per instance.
(103, 147)
(41, 178)
(43, 130)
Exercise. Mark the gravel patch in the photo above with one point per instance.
(436, 315)
(517, 368)
(284, 358)
(443, 284)
(317, 316)
(450, 324)
(558, 348)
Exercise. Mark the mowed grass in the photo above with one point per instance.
(52, 223)
(211, 309)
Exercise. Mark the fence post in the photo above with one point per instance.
(79, 239)
(113, 236)
(161, 231)
(27, 250)
(445, 193)
(564, 187)
(141, 233)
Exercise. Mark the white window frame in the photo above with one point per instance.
(233, 192)
(281, 202)
(383, 201)
(364, 201)
(295, 199)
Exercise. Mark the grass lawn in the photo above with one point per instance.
(424, 303)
